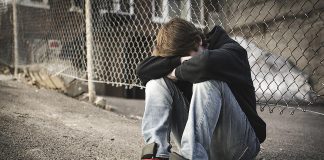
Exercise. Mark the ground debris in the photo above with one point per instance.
(4, 70)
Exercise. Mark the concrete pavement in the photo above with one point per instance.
(44, 124)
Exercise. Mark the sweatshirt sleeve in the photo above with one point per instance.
(155, 67)
(228, 63)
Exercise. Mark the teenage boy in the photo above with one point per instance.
(203, 95)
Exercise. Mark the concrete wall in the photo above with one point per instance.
(6, 38)
(38, 25)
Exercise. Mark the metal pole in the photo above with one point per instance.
(89, 43)
(15, 38)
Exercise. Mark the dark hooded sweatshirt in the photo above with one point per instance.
(225, 60)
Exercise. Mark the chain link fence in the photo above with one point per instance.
(284, 39)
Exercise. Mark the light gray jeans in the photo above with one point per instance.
(212, 126)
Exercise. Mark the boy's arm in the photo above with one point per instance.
(156, 67)
(225, 60)
(228, 64)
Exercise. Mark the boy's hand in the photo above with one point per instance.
(172, 75)
(185, 58)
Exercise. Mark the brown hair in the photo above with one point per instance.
(177, 37)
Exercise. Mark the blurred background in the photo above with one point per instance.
(284, 40)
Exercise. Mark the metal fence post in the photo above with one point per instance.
(15, 38)
(89, 43)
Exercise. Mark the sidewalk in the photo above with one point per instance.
(44, 124)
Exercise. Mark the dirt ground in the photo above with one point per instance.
(44, 124)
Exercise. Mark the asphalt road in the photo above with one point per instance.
(44, 124)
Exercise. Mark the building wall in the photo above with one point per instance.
(38, 25)
(6, 38)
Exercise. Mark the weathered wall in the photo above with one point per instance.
(6, 38)
(36, 26)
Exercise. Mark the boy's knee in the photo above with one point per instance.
(155, 83)
(209, 84)
(161, 85)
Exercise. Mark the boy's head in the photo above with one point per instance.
(177, 37)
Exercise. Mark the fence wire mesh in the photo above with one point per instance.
(283, 39)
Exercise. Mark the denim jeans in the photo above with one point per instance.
(212, 126)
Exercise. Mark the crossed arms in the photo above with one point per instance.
(228, 63)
